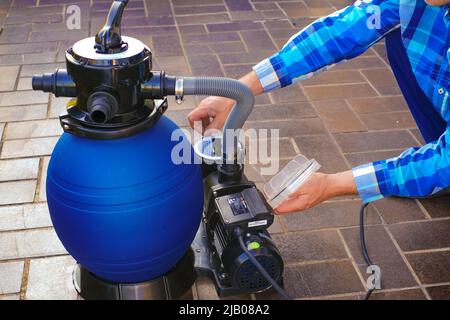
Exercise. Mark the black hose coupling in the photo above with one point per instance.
(102, 107)
(59, 83)
(230, 172)
(158, 86)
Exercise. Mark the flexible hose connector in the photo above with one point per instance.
(102, 107)
(59, 83)
(228, 88)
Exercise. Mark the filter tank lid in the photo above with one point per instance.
(109, 47)
(84, 52)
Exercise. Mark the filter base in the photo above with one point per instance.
(175, 285)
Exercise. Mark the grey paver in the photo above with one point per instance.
(21, 113)
(8, 77)
(395, 210)
(32, 69)
(310, 246)
(51, 279)
(17, 192)
(324, 150)
(22, 98)
(383, 253)
(10, 277)
(206, 290)
(341, 91)
(19, 169)
(33, 129)
(329, 215)
(29, 243)
(370, 141)
(58, 106)
(27, 58)
(437, 207)
(28, 147)
(42, 189)
(388, 120)
(431, 267)
(422, 235)
(439, 292)
(338, 116)
(25, 48)
(25, 216)
(10, 297)
(24, 84)
(412, 294)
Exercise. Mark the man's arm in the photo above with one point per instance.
(417, 172)
(342, 35)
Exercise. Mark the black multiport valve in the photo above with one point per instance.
(110, 76)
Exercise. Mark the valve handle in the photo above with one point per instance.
(109, 38)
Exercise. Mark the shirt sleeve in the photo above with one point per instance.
(340, 36)
(417, 172)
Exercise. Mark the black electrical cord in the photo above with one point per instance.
(281, 291)
(362, 240)
(260, 268)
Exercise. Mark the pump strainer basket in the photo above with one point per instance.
(209, 148)
(289, 179)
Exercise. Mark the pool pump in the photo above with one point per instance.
(140, 225)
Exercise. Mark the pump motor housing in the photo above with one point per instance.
(232, 205)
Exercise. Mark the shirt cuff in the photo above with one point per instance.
(267, 75)
(370, 181)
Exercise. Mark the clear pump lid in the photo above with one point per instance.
(289, 179)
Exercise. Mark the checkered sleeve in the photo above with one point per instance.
(417, 172)
(329, 40)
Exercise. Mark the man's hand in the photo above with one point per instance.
(212, 112)
(319, 188)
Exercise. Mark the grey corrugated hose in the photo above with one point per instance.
(229, 88)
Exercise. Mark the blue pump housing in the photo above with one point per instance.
(121, 207)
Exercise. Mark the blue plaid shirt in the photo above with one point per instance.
(349, 32)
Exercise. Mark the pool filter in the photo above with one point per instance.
(120, 205)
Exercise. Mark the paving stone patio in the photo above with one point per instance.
(345, 117)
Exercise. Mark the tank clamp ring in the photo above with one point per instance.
(179, 90)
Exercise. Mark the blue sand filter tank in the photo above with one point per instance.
(121, 207)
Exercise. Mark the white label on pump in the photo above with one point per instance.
(257, 223)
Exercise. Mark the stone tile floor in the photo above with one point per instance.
(345, 117)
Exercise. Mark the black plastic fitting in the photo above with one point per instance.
(59, 83)
(102, 107)
(109, 38)
(230, 172)
(158, 86)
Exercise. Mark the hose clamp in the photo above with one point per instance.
(179, 90)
